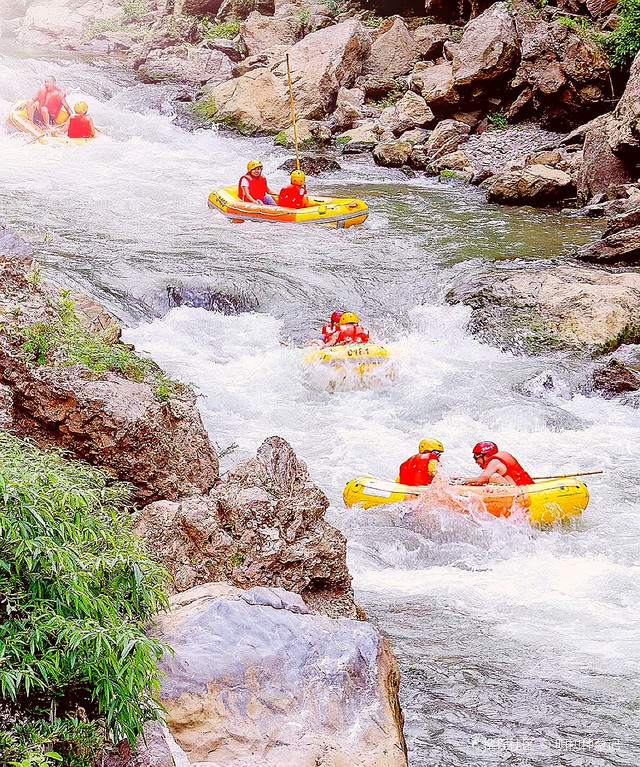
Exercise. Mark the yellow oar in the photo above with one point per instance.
(293, 114)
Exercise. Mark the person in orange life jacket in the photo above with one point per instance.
(498, 467)
(47, 103)
(80, 124)
(420, 469)
(349, 332)
(253, 186)
(294, 195)
(332, 327)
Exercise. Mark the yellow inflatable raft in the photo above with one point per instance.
(334, 211)
(350, 359)
(18, 119)
(544, 502)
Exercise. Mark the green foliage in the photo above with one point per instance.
(303, 17)
(448, 174)
(94, 27)
(342, 140)
(333, 7)
(281, 139)
(497, 121)
(581, 25)
(390, 99)
(623, 43)
(77, 589)
(134, 10)
(208, 29)
(66, 341)
(628, 335)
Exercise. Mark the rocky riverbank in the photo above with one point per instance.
(67, 381)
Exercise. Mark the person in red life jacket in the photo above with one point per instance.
(420, 469)
(332, 327)
(498, 467)
(253, 186)
(80, 124)
(47, 103)
(349, 331)
(294, 195)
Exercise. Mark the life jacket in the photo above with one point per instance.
(293, 196)
(257, 187)
(52, 100)
(419, 469)
(514, 470)
(352, 334)
(328, 330)
(80, 127)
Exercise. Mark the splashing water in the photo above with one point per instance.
(516, 646)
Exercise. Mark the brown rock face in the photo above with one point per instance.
(489, 48)
(622, 247)
(566, 74)
(262, 524)
(393, 52)
(534, 185)
(321, 64)
(600, 167)
(259, 32)
(615, 378)
(186, 65)
(430, 38)
(159, 445)
(624, 131)
(256, 680)
(436, 86)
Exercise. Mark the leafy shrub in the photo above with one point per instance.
(134, 10)
(497, 121)
(623, 44)
(209, 29)
(66, 341)
(77, 589)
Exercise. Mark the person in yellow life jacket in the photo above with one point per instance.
(349, 331)
(498, 467)
(80, 124)
(253, 186)
(294, 195)
(420, 469)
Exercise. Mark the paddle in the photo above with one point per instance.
(568, 476)
(293, 114)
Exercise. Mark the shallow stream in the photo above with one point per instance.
(516, 646)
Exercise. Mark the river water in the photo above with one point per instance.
(516, 646)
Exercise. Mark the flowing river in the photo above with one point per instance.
(516, 646)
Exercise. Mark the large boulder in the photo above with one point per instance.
(155, 440)
(260, 32)
(445, 138)
(600, 166)
(563, 78)
(263, 523)
(196, 7)
(63, 22)
(410, 112)
(186, 64)
(232, 10)
(321, 64)
(392, 154)
(534, 185)
(430, 39)
(543, 308)
(253, 679)
(624, 130)
(489, 49)
(393, 52)
(620, 247)
(615, 378)
(436, 86)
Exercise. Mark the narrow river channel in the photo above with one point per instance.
(516, 646)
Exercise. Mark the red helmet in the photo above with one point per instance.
(485, 448)
(335, 317)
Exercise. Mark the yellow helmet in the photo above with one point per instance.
(348, 317)
(253, 164)
(431, 446)
(81, 107)
(297, 178)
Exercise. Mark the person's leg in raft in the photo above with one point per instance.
(268, 200)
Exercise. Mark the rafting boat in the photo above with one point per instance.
(333, 211)
(544, 502)
(349, 361)
(18, 119)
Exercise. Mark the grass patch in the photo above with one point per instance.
(134, 10)
(624, 42)
(66, 341)
(77, 589)
(391, 99)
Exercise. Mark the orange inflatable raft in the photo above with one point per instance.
(18, 119)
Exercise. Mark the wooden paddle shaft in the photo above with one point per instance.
(293, 114)
(568, 476)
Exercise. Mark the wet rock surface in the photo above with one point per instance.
(253, 673)
(262, 524)
(615, 378)
(578, 309)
